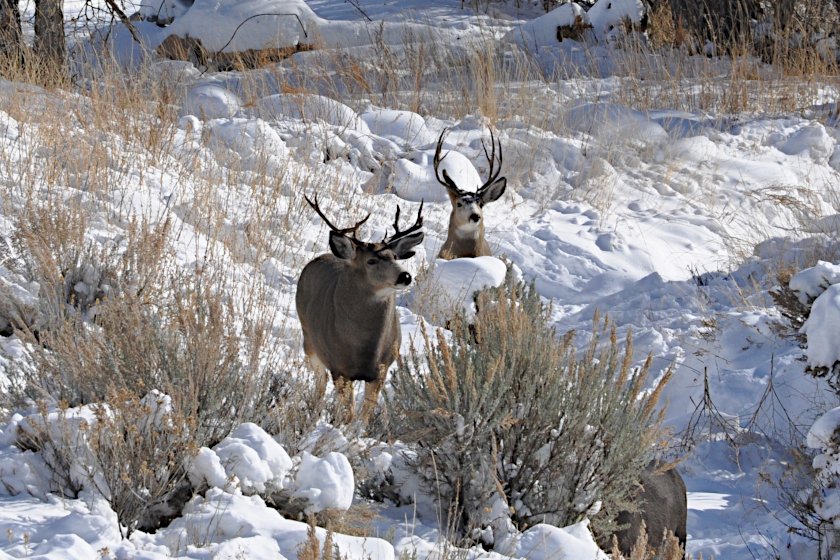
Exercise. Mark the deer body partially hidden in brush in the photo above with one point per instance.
(466, 221)
(662, 510)
(345, 302)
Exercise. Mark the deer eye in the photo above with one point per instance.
(459, 205)
(372, 262)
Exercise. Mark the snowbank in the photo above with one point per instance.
(235, 26)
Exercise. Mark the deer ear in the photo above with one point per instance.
(402, 246)
(494, 191)
(341, 246)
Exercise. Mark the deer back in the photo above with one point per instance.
(662, 506)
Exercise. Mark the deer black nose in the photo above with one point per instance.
(474, 217)
(404, 278)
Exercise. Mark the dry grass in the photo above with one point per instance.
(88, 147)
(314, 549)
(149, 260)
(670, 548)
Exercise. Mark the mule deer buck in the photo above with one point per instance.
(345, 302)
(466, 221)
(663, 508)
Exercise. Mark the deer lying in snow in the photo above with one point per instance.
(466, 221)
(345, 302)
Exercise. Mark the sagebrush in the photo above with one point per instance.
(507, 411)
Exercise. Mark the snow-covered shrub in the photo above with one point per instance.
(811, 303)
(790, 305)
(824, 499)
(809, 487)
(71, 275)
(511, 425)
(194, 346)
(131, 452)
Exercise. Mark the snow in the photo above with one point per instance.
(250, 457)
(326, 483)
(239, 522)
(568, 543)
(210, 102)
(162, 10)
(820, 284)
(451, 285)
(310, 108)
(250, 24)
(542, 31)
(404, 128)
(674, 221)
(822, 329)
(813, 281)
(822, 432)
(608, 16)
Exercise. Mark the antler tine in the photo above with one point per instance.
(317, 209)
(446, 180)
(418, 223)
(491, 158)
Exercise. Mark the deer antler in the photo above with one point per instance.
(491, 158)
(418, 223)
(446, 180)
(343, 231)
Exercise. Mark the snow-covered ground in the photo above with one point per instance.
(673, 222)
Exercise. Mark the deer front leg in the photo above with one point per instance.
(372, 389)
(317, 366)
(346, 405)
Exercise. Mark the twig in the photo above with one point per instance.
(355, 4)
(112, 5)
(244, 21)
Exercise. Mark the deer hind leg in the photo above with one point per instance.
(345, 410)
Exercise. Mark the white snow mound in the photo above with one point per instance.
(210, 102)
(326, 483)
(235, 26)
(310, 108)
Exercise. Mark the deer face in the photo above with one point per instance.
(376, 264)
(468, 208)
(373, 267)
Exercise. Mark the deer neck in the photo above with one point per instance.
(465, 231)
(465, 239)
(354, 297)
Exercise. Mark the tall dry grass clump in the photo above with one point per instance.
(139, 354)
(418, 68)
(505, 411)
(165, 366)
(671, 549)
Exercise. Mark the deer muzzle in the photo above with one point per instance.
(404, 279)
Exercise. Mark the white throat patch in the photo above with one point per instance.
(470, 229)
(385, 293)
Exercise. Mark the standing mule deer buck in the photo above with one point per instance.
(345, 302)
(466, 221)
(663, 509)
